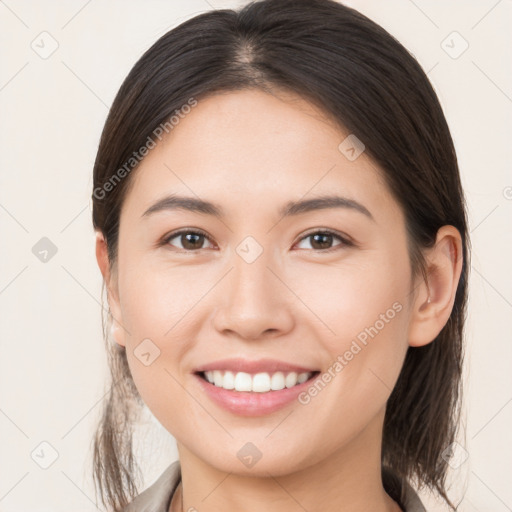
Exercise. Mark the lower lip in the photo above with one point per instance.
(252, 403)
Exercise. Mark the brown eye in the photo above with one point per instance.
(323, 240)
(188, 240)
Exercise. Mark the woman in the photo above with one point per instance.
(282, 232)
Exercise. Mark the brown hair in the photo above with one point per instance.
(365, 79)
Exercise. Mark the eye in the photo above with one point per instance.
(322, 239)
(190, 240)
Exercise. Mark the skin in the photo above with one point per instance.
(251, 152)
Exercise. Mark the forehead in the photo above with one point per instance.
(249, 148)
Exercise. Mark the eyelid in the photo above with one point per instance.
(345, 239)
(174, 234)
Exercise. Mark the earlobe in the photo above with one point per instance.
(117, 332)
(116, 329)
(434, 300)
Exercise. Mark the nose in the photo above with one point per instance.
(254, 301)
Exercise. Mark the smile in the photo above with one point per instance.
(262, 382)
(246, 394)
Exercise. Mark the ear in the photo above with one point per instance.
(433, 302)
(110, 280)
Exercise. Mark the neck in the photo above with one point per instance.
(348, 480)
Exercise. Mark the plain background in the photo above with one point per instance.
(53, 371)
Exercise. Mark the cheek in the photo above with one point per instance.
(164, 306)
(157, 302)
(362, 318)
(356, 297)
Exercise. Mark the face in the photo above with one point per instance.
(323, 291)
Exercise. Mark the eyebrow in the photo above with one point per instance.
(196, 205)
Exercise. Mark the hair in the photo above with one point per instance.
(362, 77)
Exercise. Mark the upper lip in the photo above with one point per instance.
(248, 366)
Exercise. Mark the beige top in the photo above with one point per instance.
(157, 497)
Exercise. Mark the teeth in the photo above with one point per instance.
(259, 383)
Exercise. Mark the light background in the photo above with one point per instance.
(53, 367)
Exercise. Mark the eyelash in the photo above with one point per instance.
(345, 242)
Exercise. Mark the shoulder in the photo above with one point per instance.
(157, 497)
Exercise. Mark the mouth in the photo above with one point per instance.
(258, 394)
(262, 382)
(248, 387)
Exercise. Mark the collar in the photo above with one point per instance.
(157, 497)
